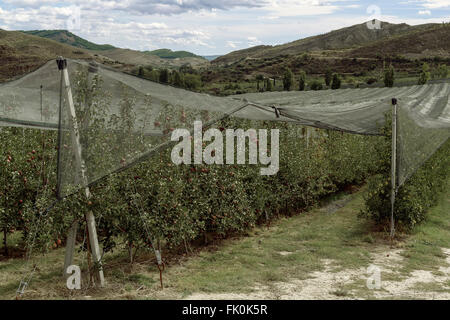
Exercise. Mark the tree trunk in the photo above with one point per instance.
(5, 242)
(130, 252)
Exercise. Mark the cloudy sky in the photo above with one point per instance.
(209, 27)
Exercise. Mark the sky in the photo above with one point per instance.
(212, 27)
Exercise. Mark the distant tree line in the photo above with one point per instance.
(186, 77)
(332, 80)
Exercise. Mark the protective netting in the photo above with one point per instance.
(353, 110)
(123, 119)
(120, 119)
(421, 131)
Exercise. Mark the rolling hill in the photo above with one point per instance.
(64, 36)
(353, 51)
(133, 58)
(124, 59)
(169, 54)
(346, 38)
(417, 44)
(21, 53)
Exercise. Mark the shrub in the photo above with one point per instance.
(192, 81)
(443, 71)
(389, 76)
(164, 76)
(424, 74)
(316, 85)
(178, 79)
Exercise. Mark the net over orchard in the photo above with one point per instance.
(123, 119)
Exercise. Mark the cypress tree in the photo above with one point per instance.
(302, 81)
(336, 83)
(288, 79)
(425, 74)
(389, 76)
(328, 77)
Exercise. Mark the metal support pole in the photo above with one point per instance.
(95, 248)
(41, 92)
(393, 164)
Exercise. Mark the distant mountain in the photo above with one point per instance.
(346, 38)
(123, 58)
(135, 58)
(211, 58)
(64, 36)
(169, 54)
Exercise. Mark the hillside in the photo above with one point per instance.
(69, 38)
(433, 42)
(405, 46)
(21, 53)
(211, 58)
(346, 38)
(135, 58)
(169, 54)
(124, 59)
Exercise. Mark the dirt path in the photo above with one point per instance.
(330, 283)
(399, 277)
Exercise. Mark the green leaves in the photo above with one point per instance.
(389, 76)
(425, 74)
(159, 200)
(415, 197)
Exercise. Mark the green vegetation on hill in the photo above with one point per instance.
(345, 38)
(169, 54)
(22, 53)
(64, 36)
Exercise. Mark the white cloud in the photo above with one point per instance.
(424, 12)
(233, 44)
(429, 4)
(167, 7)
(253, 41)
(290, 8)
(197, 25)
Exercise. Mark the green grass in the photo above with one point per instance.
(309, 237)
(312, 237)
(66, 37)
(423, 249)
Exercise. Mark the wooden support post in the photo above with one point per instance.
(70, 246)
(393, 165)
(75, 135)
